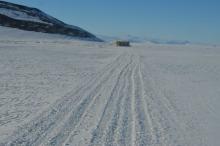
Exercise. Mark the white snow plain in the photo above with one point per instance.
(59, 91)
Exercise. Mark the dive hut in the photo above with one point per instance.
(122, 43)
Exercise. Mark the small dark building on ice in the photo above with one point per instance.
(122, 43)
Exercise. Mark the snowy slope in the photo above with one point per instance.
(59, 91)
(13, 34)
(32, 19)
(19, 15)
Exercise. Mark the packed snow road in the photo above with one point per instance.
(91, 94)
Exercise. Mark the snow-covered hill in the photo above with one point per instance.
(32, 19)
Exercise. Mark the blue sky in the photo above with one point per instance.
(193, 20)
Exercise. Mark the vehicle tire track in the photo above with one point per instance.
(142, 133)
(82, 109)
(161, 109)
(133, 110)
(99, 135)
(124, 133)
(151, 100)
(114, 124)
(146, 108)
(34, 132)
(90, 120)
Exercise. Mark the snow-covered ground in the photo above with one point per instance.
(58, 91)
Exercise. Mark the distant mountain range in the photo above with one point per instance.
(136, 39)
(33, 19)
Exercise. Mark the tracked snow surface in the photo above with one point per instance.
(55, 91)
